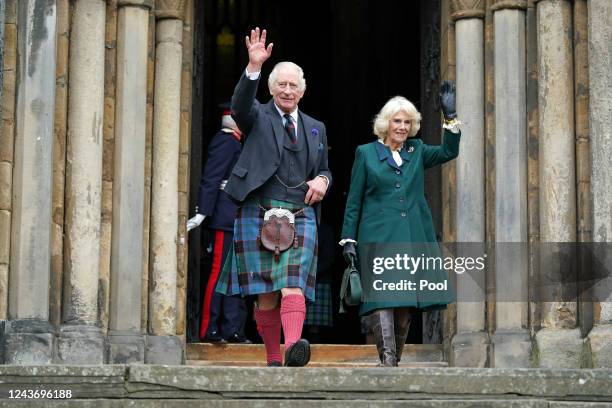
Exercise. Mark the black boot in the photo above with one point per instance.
(401, 326)
(381, 325)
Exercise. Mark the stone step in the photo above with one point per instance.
(304, 403)
(217, 386)
(320, 353)
(262, 363)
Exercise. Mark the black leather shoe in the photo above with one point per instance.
(238, 339)
(274, 364)
(214, 337)
(298, 354)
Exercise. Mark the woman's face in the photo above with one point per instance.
(399, 128)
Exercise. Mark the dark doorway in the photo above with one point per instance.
(356, 54)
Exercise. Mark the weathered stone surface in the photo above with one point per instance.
(166, 350)
(172, 9)
(470, 349)
(559, 348)
(470, 166)
(511, 349)
(6, 181)
(128, 184)
(599, 343)
(84, 157)
(214, 385)
(124, 348)
(5, 236)
(28, 341)
(82, 344)
(32, 172)
(135, 3)
(4, 274)
(511, 259)
(556, 145)
(600, 61)
(165, 168)
(467, 9)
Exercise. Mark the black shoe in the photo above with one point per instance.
(238, 339)
(274, 364)
(214, 337)
(298, 354)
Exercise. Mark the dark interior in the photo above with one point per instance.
(356, 54)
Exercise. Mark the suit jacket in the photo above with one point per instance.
(264, 136)
(220, 210)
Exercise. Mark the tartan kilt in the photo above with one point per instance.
(250, 270)
(320, 312)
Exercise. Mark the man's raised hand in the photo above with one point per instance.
(258, 52)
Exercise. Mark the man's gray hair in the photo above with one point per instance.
(287, 64)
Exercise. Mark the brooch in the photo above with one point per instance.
(314, 132)
(411, 149)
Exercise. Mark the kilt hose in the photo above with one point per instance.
(251, 270)
(222, 314)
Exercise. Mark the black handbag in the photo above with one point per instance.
(350, 289)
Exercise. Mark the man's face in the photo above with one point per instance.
(286, 90)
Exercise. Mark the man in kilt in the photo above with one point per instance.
(283, 167)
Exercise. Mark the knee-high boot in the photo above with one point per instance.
(401, 326)
(381, 324)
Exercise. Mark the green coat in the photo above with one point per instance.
(386, 204)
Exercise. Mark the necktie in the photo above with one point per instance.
(290, 127)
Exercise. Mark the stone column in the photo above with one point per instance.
(511, 345)
(470, 344)
(163, 346)
(125, 340)
(81, 339)
(600, 76)
(1, 48)
(559, 342)
(29, 335)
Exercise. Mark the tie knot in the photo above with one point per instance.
(288, 117)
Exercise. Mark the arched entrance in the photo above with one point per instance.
(355, 54)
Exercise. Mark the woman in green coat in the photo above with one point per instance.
(386, 205)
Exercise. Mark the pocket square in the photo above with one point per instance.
(321, 146)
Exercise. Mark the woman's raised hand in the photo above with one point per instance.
(447, 100)
(258, 52)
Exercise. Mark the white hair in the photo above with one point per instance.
(287, 64)
(393, 106)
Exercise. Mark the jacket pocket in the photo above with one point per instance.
(239, 171)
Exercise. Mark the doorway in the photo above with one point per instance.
(356, 54)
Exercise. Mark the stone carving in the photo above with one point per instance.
(135, 3)
(169, 9)
(467, 9)
(509, 4)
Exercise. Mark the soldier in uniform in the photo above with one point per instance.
(222, 317)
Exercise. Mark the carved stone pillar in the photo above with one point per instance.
(559, 342)
(511, 345)
(470, 344)
(29, 336)
(163, 346)
(125, 340)
(81, 339)
(600, 117)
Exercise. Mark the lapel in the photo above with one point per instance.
(311, 133)
(384, 154)
(277, 125)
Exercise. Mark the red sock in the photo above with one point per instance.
(269, 328)
(292, 314)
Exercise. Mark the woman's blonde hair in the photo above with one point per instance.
(393, 106)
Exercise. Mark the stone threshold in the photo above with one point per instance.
(230, 384)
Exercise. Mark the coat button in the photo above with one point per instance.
(397, 172)
(397, 185)
(403, 213)
(401, 199)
